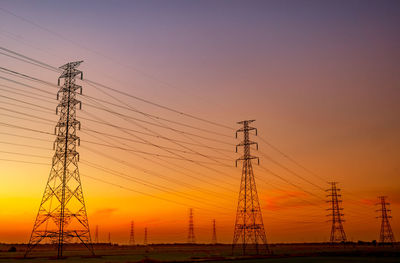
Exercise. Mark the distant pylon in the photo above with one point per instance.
(386, 234)
(62, 216)
(145, 236)
(249, 226)
(132, 236)
(337, 231)
(191, 238)
(109, 237)
(96, 235)
(214, 235)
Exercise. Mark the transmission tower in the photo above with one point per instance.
(249, 226)
(132, 236)
(96, 235)
(191, 238)
(386, 234)
(109, 238)
(337, 231)
(214, 235)
(145, 236)
(62, 216)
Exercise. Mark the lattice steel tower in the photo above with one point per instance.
(191, 238)
(249, 226)
(386, 235)
(62, 216)
(132, 236)
(337, 231)
(214, 234)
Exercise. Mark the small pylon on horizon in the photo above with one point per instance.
(191, 238)
(214, 235)
(132, 234)
(386, 234)
(337, 231)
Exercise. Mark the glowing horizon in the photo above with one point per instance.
(321, 81)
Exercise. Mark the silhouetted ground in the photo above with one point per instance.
(282, 253)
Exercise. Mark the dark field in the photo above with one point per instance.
(296, 253)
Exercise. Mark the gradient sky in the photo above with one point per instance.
(321, 79)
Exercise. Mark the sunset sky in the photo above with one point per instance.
(322, 81)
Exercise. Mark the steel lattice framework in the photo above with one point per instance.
(191, 238)
(214, 234)
(386, 234)
(249, 226)
(132, 235)
(62, 216)
(337, 231)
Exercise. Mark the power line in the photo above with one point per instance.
(160, 147)
(135, 119)
(19, 161)
(124, 175)
(25, 154)
(26, 85)
(278, 149)
(128, 164)
(143, 193)
(127, 108)
(291, 159)
(29, 129)
(50, 110)
(292, 184)
(118, 147)
(154, 124)
(148, 153)
(124, 93)
(163, 125)
(290, 171)
(164, 189)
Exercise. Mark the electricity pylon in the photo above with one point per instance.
(109, 238)
(337, 231)
(62, 216)
(214, 234)
(191, 238)
(386, 235)
(145, 236)
(249, 226)
(132, 236)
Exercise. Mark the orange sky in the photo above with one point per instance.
(322, 86)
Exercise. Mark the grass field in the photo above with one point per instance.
(296, 253)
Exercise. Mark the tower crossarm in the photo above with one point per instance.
(245, 158)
